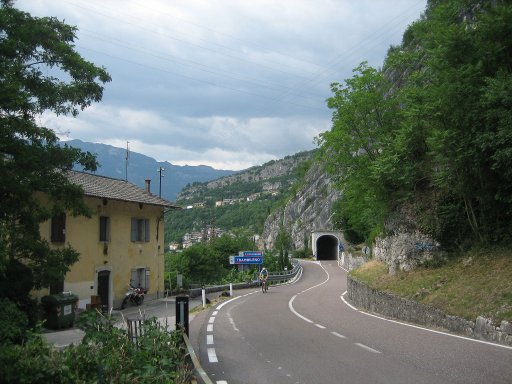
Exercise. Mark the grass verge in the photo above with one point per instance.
(476, 284)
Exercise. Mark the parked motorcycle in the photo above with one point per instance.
(134, 295)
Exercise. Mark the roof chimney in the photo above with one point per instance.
(148, 185)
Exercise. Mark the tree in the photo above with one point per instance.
(430, 133)
(355, 150)
(205, 264)
(462, 89)
(283, 244)
(40, 71)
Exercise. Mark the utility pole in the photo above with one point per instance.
(160, 170)
(126, 160)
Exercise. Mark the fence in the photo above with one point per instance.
(274, 278)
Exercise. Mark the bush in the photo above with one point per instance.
(31, 362)
(106, 355)
(13, 323)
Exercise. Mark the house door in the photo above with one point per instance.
(104, 288)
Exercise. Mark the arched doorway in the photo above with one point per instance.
(327, 247)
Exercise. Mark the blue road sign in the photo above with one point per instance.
(251, 253)
(247, 257)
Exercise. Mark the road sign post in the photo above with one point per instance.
(182, 313)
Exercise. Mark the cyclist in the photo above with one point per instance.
(263, 279)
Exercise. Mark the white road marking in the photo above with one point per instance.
(347, 303)
(209, 328)
(221, 382)
(212, 356)
(211, 320)
(209, 339)
(227, 302)
(233, 324)
(320, 326)
(422, 328)
(290, 305)
(215, 313)
(338, 335)
(367, 348)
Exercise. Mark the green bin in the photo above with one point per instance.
(59, 310)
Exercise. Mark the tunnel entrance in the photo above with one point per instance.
(327, 247)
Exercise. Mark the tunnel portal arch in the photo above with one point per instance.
(326, 244)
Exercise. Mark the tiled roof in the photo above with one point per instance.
(116, 189)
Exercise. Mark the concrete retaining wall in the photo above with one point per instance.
(411, 311)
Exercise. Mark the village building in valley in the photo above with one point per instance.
(122, 242)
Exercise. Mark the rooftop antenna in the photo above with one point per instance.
(160, 170)
(126, 159)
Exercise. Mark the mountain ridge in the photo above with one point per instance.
(141, 167)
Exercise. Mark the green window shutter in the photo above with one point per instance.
(104, 228)
(146, 227)
(147, 275)
(134, 230)
(58, 228)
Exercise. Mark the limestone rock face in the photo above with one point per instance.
(308, 210)
(405, 247)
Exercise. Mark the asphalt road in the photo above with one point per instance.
(306, 333)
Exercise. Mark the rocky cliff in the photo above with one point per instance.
(308, 210)
(275, 172)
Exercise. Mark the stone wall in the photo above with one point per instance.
(349, 262)
(388, 305)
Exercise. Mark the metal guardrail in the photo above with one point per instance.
(274, 278)
(285, 276)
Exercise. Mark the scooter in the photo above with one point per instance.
(134, 295)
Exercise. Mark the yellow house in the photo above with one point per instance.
(121, 243)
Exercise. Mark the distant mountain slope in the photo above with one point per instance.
(275, 175)
(141, 167)
(240, 202)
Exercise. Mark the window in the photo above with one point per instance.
(57, 287)
(140, 230)
(104, 228)
(140, 278)
(58, 234)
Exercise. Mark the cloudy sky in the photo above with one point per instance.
(225, 83)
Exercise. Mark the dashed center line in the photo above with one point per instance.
(212, 356)
(292, 309)
(209, 339)
(367, 348)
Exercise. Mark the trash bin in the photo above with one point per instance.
(59, 310)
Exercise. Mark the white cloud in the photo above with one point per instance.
(225, 83)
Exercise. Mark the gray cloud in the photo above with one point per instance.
(226, 83)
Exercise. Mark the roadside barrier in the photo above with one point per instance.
(275, 278)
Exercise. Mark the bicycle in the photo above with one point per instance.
(264, 286)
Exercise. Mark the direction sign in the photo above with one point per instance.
(247, 257)
(251, 253)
